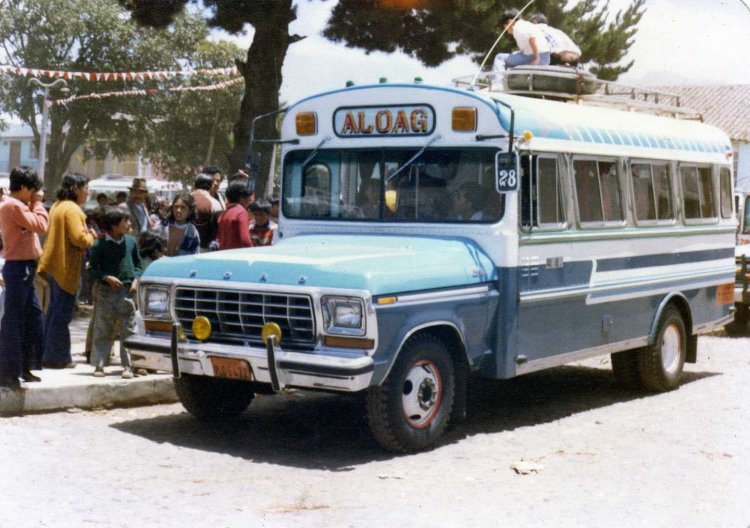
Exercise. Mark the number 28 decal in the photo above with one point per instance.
(506, 172)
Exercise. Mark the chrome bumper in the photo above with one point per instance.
(314, 371)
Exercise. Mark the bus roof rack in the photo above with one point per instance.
(562, 83)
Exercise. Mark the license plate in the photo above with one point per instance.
(231, 368)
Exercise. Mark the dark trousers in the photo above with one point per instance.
(21, 337)
(57, 325)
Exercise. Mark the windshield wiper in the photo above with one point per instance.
(414, 157)
(314, 152)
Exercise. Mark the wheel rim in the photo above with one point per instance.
(671, 349)
(422, 394)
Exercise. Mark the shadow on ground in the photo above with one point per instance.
(323, 431)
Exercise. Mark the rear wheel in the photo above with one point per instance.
(661, 364)
(410, 410)
(209, 398)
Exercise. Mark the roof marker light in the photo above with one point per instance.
(383, 80)
(464, 119)
(527, 135)
(349, 83)
(417, 80)
(306, 123)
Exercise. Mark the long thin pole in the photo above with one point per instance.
(43, 141)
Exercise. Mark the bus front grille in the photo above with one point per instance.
(239, 316)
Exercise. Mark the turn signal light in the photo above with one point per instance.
(307, 123)
(464, 119)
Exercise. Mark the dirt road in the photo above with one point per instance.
(595, 456)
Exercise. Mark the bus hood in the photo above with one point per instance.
(378, 264)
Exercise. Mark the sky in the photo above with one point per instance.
(678, 42)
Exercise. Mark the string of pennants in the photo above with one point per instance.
(116, 76)
(150, 91)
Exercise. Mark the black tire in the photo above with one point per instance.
(661, 364)
(741, 317)
(213, 398)
(625, 369)
(412, 407)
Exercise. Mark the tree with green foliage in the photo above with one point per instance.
(96, 35)
(434, 31)
(261, 67)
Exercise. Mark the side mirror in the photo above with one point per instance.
(507, 172)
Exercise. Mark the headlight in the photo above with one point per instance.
(344, 315)
(155, 302)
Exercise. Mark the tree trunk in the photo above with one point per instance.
(262, 74)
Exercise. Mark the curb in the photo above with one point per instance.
(88, 393)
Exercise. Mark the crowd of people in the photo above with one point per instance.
(52, 260)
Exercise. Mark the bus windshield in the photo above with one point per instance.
(393, 185)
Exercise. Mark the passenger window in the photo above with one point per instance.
(652, 192)
(643, 191)
(588, 191)
(611, 201)
(707, 184)
(697, 191)
(550, 194)
(725, 182)
(663, 192)
(598, 191)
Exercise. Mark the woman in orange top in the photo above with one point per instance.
(67, 239)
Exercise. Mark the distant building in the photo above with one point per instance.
(17, 148)
(728, 108)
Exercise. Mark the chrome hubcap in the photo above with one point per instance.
(422, 394)
(671, 345)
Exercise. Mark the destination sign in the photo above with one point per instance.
(401, 120)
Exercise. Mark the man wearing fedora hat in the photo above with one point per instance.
(137, 207)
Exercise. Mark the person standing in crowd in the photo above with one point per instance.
(207, 210)
(264, 230)
(152, 247)
(67, 240)
(178, 229)
(533, 47)
(234, 224)
(217, 176)
(563, 51)
(102, 200)
(121, 199)
(22, 219)
(139, 213)
(116, 265)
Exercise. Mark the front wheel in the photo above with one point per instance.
(209, 398)
(660, 365)
(410, 410)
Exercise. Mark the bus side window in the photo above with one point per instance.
(550, 195)
(587, 191)
(725, 185)
(528, 192)
(663, 191)
(697, 192)
(611, 197)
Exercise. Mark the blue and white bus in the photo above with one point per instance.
(432, 235)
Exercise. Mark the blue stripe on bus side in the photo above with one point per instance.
(663, 259)
(578, 273)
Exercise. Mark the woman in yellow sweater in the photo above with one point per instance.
(67, 239)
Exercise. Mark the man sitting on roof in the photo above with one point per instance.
(534, 48)
(563, 51)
